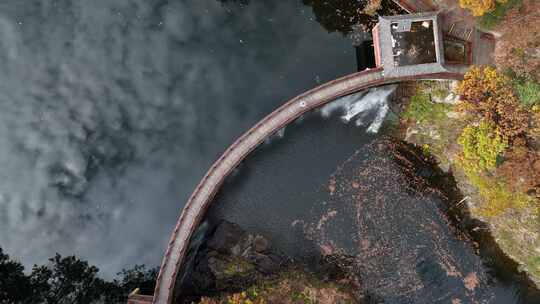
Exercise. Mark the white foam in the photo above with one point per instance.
(358, 107)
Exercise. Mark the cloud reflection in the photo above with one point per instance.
(110, 113)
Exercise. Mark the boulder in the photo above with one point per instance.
(266, 264)
(260, 244)
(226, 236)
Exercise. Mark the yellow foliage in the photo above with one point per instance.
(243, 298)
(496, 195)
(482, 145)
(479, 7)
(237, 298)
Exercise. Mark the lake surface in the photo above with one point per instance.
(112, 111)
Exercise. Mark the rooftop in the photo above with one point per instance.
(413, 42)
(409, 44)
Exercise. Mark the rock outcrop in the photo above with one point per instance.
(233, 264)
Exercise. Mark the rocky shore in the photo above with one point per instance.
(233, 266)
(516, 231)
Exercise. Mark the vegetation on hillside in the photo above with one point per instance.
(518, 48)
(479, 7)
(490, 12)
(493, 17)
(291, 286)
(423, 109)
(493, 141)
(490, 97)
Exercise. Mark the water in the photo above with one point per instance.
(327, 185)
(112, 111)
(267, 191)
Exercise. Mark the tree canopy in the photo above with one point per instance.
(68, 280)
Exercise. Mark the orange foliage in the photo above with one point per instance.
(521, 170)
(489, 95)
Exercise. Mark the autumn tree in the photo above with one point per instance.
(479, 7)
(489, 95)
(482, 146)
(68, 280)
(14, 285)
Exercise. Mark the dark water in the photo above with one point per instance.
(325, 186)
(112, 110)
(280, 182)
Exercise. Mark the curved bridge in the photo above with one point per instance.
(201, 198)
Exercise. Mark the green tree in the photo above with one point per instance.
(69, 280)
(129, 279)
(14, 285)
(482, 145)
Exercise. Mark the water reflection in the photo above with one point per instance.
(344, 16)
(111, 112)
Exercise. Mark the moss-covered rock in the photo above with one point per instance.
(232, 266)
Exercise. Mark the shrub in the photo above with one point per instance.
(421, 109)
(482, 145)
(482, 148)
(493, 17)
(478, 7)
(489, 95)
(528, 92)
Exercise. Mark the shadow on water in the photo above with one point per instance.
(343, 16)
(498, 263)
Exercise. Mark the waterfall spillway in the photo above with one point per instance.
(368, 108)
